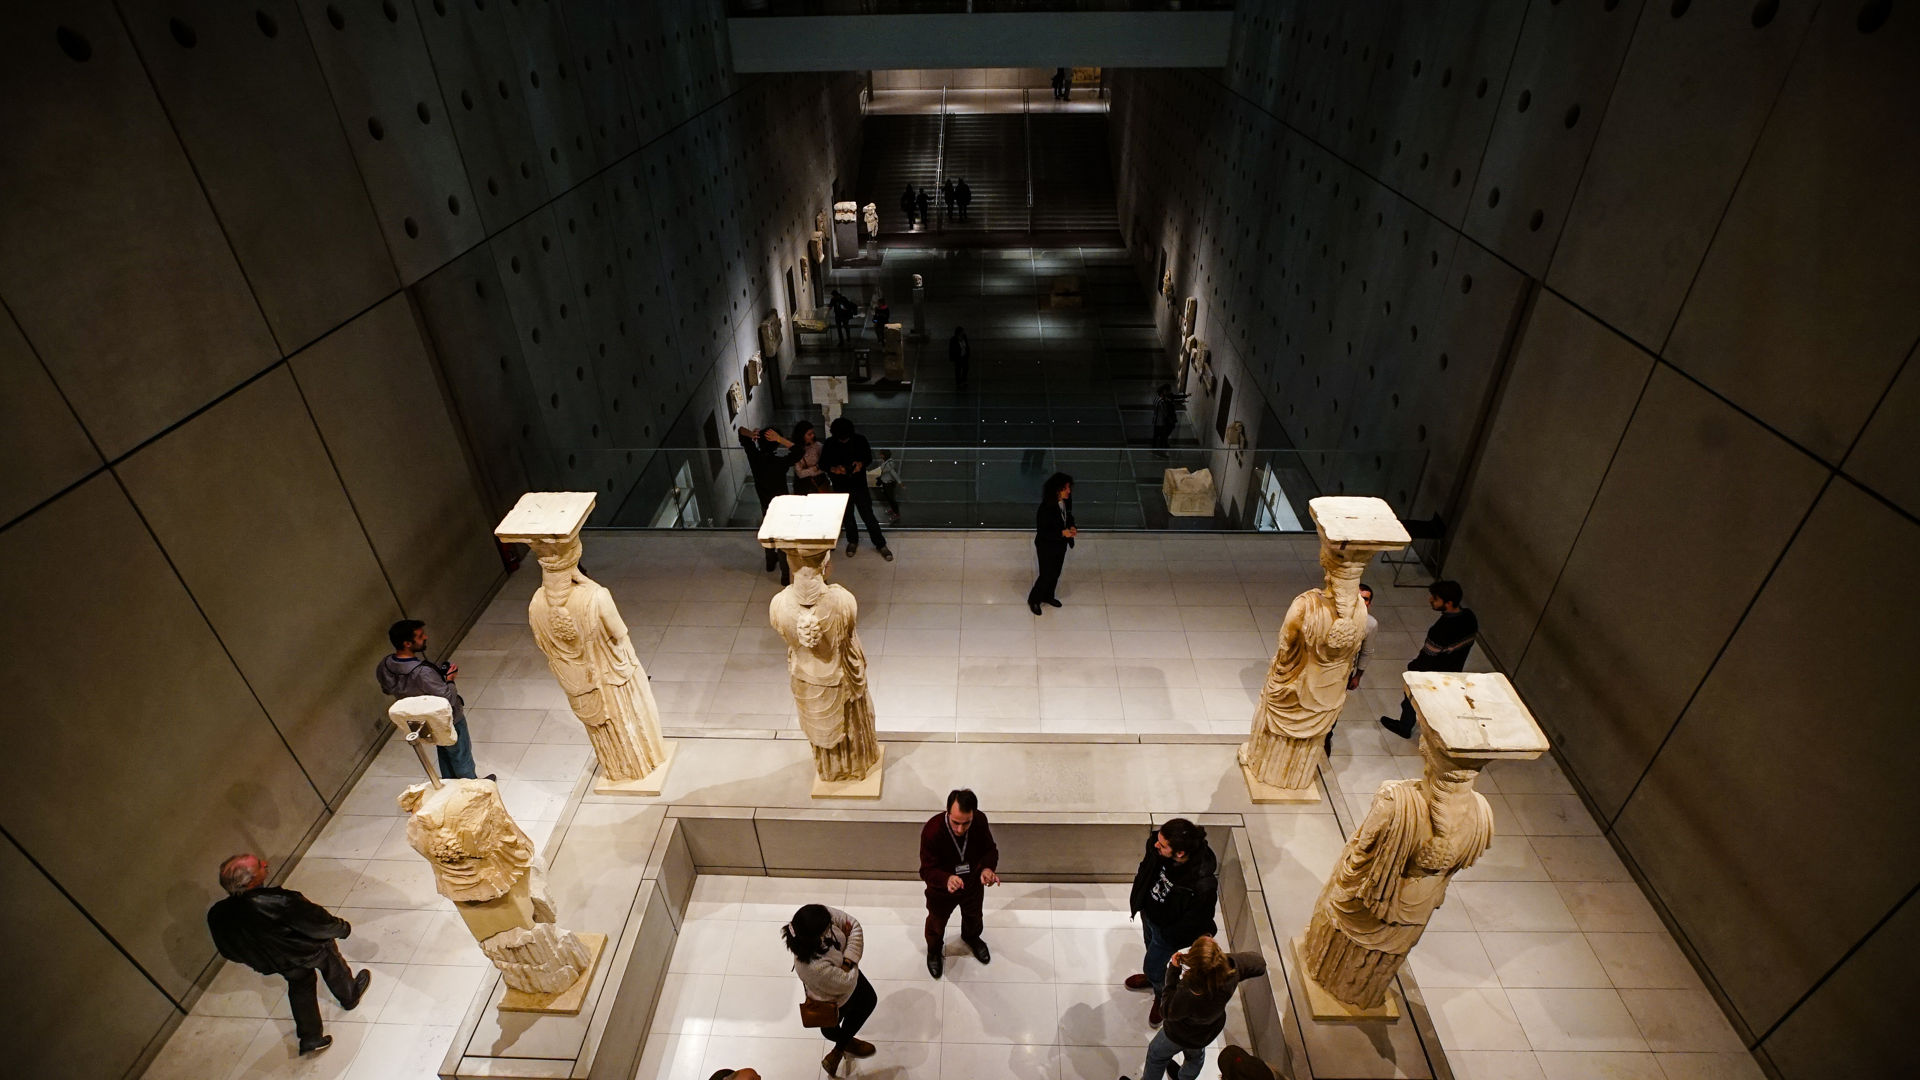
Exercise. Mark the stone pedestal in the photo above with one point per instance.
(919, 309)
(1307, 682)
(1417, 834)
(1325, 1007)
(894, 352)
(830, 393)
(846, 230)
(1188, 494)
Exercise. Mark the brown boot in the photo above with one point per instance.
(831, 1062)
(859, 1048)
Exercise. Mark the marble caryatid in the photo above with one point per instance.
(1307, 682)
(1417, 834)
(576, 624)
(486, 865)
(819, 622)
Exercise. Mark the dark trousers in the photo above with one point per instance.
(1162, 435)
(845, 326)
(940, 905)
(1053, 557)
(861, 500)
(1404, 728)
(304, 999)
(853, 1014)
(890, 494)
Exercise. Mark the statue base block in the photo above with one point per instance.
(868, 788)
(651, 784)
(1327, 1008)
(567, 1002)
(1262, 792)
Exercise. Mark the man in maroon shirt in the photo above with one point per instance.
(958, 860)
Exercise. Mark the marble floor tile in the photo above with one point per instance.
(1099, 1062)
(1508, 858)
(687, 1002)
(448, 942)
(1451, 959)
(1475, 1018)
(401, 1052)
(1020, 954)
(1595, 1020)
(1610, 907)
(979, 1012)
(354, 836)
(274, 1054)
(1681, 1021)
(1100, 955)
(1512, 905)
(328, 882)
(205, 1046)
(385, 935)
(668, 1056)
(1556, 959)
(1552, 815)
(1740, 1066)
(1599, 1065)
(908, 1010)
(1579, 858)
(772, 1058)
(960, 1061)
(1101, 1014)
(424, 992)
(1494, 1065)
(1644, 961)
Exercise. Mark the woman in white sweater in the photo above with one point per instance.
(826, 944)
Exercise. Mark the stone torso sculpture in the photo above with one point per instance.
(485, 864)
(1392, 874)
(577, 626)
(828, 671)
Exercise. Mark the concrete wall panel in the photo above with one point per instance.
(100, 196)
(147, 706)
(485, 91)
(1803, 310)
(46, 450)
(1565, 405)
(250, 512)
(1740, 856)
(245, 93)
(379, 408)
(1698, 504)
(1883, 458)
(1852, 1026)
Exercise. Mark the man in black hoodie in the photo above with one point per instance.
(280, 932)
(1175, 891)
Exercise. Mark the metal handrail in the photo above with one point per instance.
(940, 158)
(1026, 123)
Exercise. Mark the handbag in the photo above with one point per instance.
(819, 1014)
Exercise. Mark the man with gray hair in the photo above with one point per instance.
(735, 1074)
(279, 932)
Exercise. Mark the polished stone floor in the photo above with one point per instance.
(1049, 1005)
(1545, 963)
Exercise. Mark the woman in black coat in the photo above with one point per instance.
(1053, 534)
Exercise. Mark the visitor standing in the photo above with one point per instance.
(826, 944)
(1166, 413)
(1200, 982)
(280, 932)
(948, 195)
(882, 315)
(408, 673)
(805, 452)
(1053, 534)
(958, 861)
(959, 352)
(925, 201)
(909, 204)
(965, 193)
(843, 310)
(885, 478)
(846, 458)
(768, 458)
(1175, 890)
(1059, 83)
(1448, 642)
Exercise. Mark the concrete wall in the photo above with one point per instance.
(1633, 280)
(294, 299)
(990, 39)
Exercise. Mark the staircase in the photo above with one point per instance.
(990, 151)
(1072, 178)
(897, 151)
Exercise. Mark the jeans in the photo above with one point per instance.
(853, 1014)
(1160, 949)
(303, 997)
(1160, 1055)
(456, 761)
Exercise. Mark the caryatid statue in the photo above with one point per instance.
(578, 627)
(486, 865)
(1417, 834)
(825, 663)
(1324, 628)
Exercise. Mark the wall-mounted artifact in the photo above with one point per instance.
(736, 400)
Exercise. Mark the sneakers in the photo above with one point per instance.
(314, 1046)
(887, 554)
(1139, 983)
(981, 952)
(936, 960)
(360, 982)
